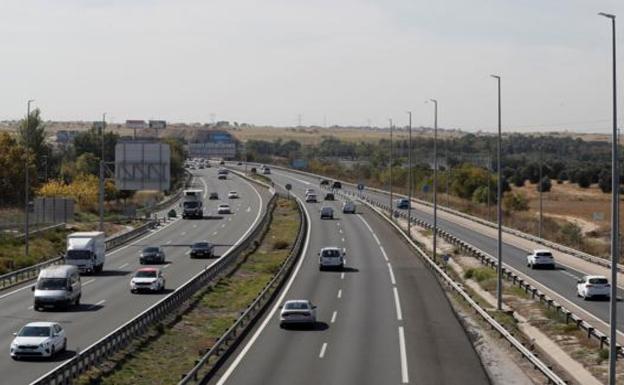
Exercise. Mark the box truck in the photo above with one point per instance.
(192, 204)
(86, 250)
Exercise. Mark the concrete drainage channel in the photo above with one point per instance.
(138, 326)
(539, 365)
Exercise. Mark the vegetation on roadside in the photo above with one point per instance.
(169, 352)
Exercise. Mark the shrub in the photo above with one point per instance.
(280, 244)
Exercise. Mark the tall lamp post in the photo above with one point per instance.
(540, 185)
(102, 166)
(499, 195)
(435, 176)
(409, 177)
(27, 181)
(615, 184)
(391, 207)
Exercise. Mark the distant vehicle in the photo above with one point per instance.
(222, 177)
(327, 213)
(592, 286)
(403, 204)
(192, 204)
(202, 249)
(324, 182)
(213, 196)
(38, 339)
(233, 195)
(152, 254)
(224, 208)
(222, 171)
(222, 162)
(330, 197)
(311, 198)
(310, 191)
(201, 166)
(172, 213)
(147, 279)
(336, 184)
(300, 311)
(541, 258)
(348, 207)
(253, 170)
(266, 171)
(57, 286)
(331, 257)
(239, 163)
(86, 250)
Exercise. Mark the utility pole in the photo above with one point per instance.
(540, 187)
(615, 218)
(489, 192)
(391, 206)
(435, 177)
(409, 178)
(102, 167)
(499, 195)
(27, 181)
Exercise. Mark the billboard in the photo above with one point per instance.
(212, 150)
(142, 166)
(53, 210)
(157, 124)
(136, 124)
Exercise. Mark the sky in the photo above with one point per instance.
(325, 62)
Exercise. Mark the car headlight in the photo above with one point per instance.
(13, 345)
(43, 344)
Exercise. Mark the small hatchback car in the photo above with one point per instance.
(299, 311)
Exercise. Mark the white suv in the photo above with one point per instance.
(331, 257)
(541, 258)
(38, 339)
(591, 286)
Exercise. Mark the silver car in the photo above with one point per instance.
(300, 311)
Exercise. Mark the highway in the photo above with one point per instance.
(561, 281)
(106, 299)
(383, 320)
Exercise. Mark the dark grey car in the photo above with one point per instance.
(152, 254)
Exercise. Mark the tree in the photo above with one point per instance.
(583, 179)
(604, 181)
(32, 136)
(87, 163)
(176, 148)
(563, 175)
(545, 185)
(13, 158)
(515, 202)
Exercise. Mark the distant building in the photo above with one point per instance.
(157, 124)
(136, 124)
(65, 136)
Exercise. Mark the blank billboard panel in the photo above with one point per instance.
(142, 166)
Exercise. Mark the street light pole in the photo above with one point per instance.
(391, 207)
(409, 177)
(102, 166)
(27, 181)
(615, 185)
(435, 176)
(540, 187)
(499, 195)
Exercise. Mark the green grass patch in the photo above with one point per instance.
(42, 246)
(480, 274)
(167, 354)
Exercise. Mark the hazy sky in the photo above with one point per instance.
(341, 62)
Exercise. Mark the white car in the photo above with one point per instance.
(300, 311)
(38, 339)
(233, 195)
(147, 279)
(310, 191)
(591, 286)
(331, 257)
(311, 198)
(266, 171)
(541, 258)
(224, 209)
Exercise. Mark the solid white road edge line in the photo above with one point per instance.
(404, 372)
(322, 353)
(391, 274)
(269, 317)
(383, 251)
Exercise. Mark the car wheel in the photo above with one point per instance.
(64, 347)
(53, 351)
(132, 291)
(342, 266)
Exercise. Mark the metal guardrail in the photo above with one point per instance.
(514, 277)
(524, 351)
(229, 340)
(122, 336)
(557, 246)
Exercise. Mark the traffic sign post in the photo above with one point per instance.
(288, 187)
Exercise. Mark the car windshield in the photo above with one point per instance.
(35, 331)
(146, 274)
(296, 306)
(224, 206)
(544, 254)
(52, 284)
(150, 250)
(598, 281)
(201, 245)
(190, 205)
(331, 253)
(78, 254)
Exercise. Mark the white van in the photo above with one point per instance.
(57, 286)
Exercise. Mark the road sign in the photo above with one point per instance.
(425, 188)
(142, 166)
(360, 186)
(446, 258)
(288, 186)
